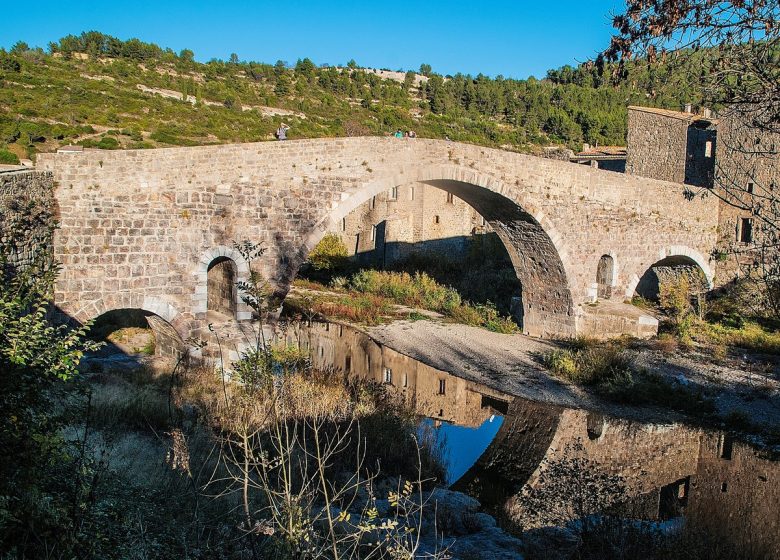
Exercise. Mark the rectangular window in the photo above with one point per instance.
(436, 219)
(388, 375)
(343, 224)
(348, 364)
(708, 149)
(442, 386)
(745, 234)
(750, 188)
(406, 379)
(725, 447)
(411, 193)
(450, 198)
(482, 221)
(372, 204)
(393, 193)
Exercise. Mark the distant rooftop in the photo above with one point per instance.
(680, 115)
(602, 152)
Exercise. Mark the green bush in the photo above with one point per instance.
(591, 363)
(7, 157)
(330, 254)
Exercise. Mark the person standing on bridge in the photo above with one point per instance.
(281, 132)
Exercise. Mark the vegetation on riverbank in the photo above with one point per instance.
(372, 296)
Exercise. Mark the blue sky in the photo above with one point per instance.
(515, 39)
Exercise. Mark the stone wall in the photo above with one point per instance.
(27, 216)
(410, 219)
(748, 166)
(139, 227)
(656, 145)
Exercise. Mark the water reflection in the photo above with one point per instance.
(720, 485)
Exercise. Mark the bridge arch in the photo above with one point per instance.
(674, 256)
(535, 247)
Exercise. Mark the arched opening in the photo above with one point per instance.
(540, 298)
(605, 277)
(672, 270)
(135, 334)
(221, 286)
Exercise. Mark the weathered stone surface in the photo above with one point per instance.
(140, 228)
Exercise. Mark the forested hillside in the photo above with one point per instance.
(99, 91)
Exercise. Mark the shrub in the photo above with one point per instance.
(330, 254)
(8, 157)
(590, 363)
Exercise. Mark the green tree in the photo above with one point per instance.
(425, 69)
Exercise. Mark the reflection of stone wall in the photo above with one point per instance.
(429, 391)
(737, 498)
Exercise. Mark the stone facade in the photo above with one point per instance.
(671, 146)
(410, 219)
(141, 227)
(748, 167)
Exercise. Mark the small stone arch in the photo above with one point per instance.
(536, 248)
(221, 259)
(671, 257)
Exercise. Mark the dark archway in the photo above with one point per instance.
(671, 269)
(137, 332)
(221, 281)
(605, 277)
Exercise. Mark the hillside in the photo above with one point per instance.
(102, 92)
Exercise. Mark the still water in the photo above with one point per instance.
(496, 446)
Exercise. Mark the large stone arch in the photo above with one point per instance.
(535, 247)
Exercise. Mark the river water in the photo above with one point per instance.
(497, 447)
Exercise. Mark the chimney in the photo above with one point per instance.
(706, 113)
(688, 108)
(585, 146)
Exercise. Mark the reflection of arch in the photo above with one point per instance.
(606, 279)
(536, 249)
(215, 256)
(673, 257)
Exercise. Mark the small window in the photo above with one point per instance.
(411, 193)
(708, 148)
(724, 487)
(750, 188)
(348, 364)
(441, 412)
(393, 193)
(745, 233)
(322, 351)
(343, 224)
(450, 198)
(373, 233)
(482, 221)
(406, 379)
(436, 219)
(341, 330)
(442, 386)
(388, 375)
(372, 204)
(368, 363)
(725, 447)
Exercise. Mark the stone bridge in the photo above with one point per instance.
(141, 229)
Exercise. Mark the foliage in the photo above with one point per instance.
(589, 362)
(330, 254)
(41, 487)
(95, 76)
(8, 157)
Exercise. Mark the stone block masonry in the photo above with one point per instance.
(141, 227)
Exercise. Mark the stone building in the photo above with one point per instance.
(676, 146)
(414, 218)
(609, 158)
